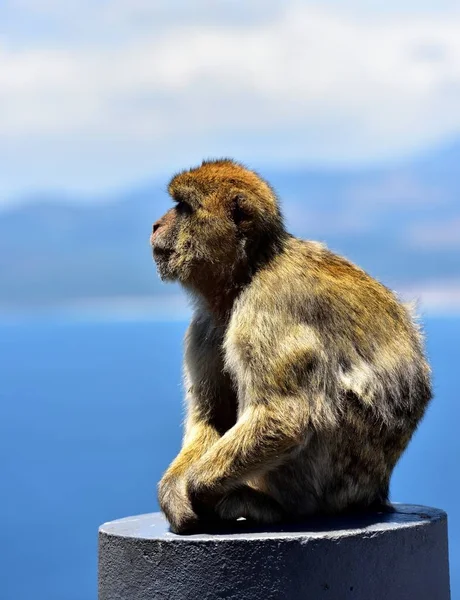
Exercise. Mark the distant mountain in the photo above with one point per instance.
(401, 223)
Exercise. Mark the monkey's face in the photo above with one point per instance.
(196, 240)
(218, 209)
(164, 238)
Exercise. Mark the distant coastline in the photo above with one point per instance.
(124, 308)
(430, 298)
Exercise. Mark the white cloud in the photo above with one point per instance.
(295, 83)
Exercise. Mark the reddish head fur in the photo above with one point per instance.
(225, 223)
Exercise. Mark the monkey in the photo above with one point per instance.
(305, 378)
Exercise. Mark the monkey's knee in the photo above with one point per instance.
(250, 504)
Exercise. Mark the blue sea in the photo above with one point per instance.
(90, 416)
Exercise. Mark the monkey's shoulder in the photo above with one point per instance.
(310, 262)
(310, 298)
(307, 280)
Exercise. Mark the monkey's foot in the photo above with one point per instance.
(251, 504)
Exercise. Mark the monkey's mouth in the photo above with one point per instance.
(162, 253)
(165, 262)
(163, 257)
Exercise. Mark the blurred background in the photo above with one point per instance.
(350, 108)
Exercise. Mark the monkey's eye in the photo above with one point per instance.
(183, 208)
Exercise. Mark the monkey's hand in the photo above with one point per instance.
(175, 504)
(202, 497)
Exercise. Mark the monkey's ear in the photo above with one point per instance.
(238, 209)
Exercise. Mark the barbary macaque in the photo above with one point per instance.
(305, 378)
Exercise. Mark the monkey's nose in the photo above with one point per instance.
(155, 231)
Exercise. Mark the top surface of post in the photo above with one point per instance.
(154, 526)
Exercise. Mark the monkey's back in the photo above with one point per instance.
(315, 327)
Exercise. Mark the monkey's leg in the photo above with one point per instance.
(211, 410)
(172, 494)
(252, 504)
(262, 438)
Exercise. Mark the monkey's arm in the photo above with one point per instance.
(200, 435)
(276, 368)
(174, 499)
(261, 439)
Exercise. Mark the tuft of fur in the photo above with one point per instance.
(305, 377)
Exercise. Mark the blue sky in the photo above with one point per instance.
(97, 95)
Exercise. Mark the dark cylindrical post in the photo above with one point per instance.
(398, 556)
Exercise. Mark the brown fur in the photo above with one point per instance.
(305, 377)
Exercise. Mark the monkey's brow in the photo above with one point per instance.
(186, 194)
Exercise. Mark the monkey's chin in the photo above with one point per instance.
(166, 273)
(167, 276)
(165, 269)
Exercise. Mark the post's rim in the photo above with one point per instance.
(154, 527)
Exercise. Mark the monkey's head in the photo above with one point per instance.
(224, 222)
